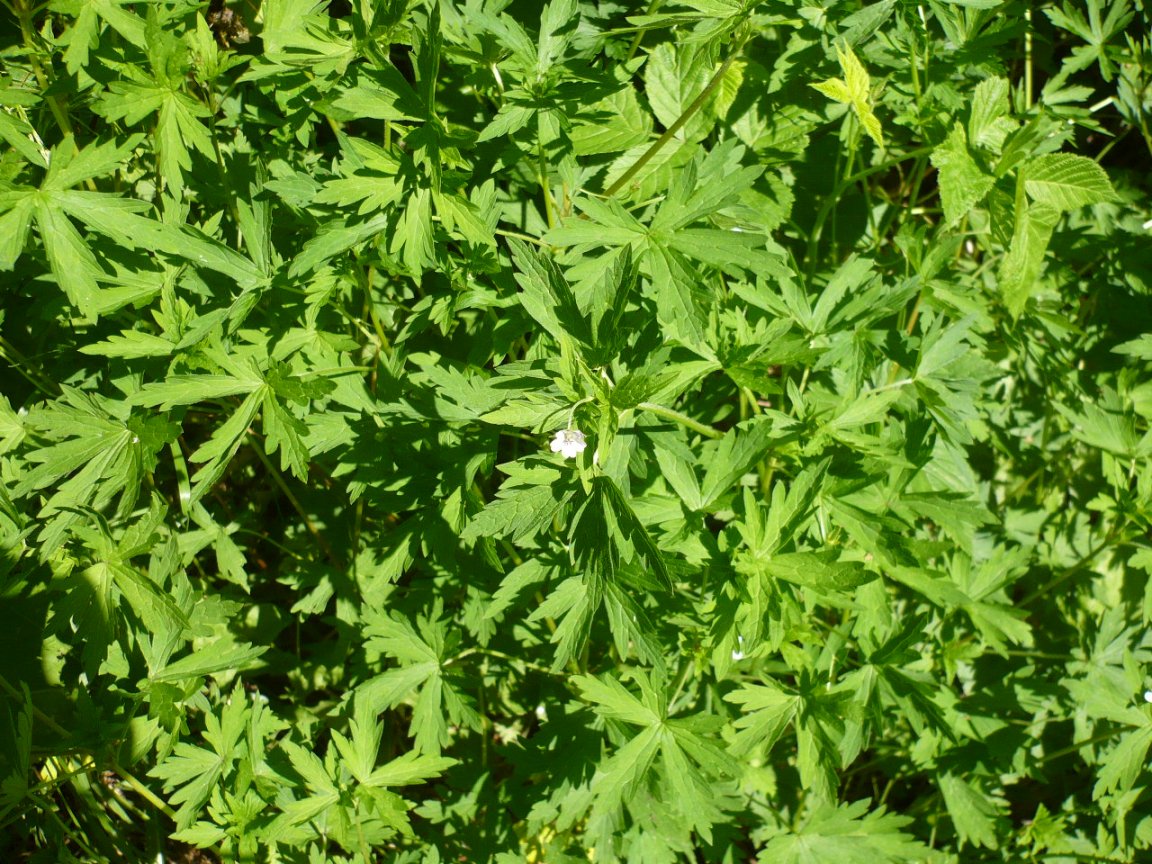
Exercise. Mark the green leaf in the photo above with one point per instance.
(614, 701)
(222, 655)
(1064, 181)
(735, 454)
(1126, 762)
(973, 813)
(409, 769)
(846, 833)
(519, 512)
(768, 711)
(611, 125)
(987, 121)
(197, 770)
(818, 570)
(1021, 266)
(546, 295)
(681, 297)
(673, 77)
(963, 183)
(854, 90)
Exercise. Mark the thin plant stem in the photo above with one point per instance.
(682, 419)
(527, 238)
(549, 206)
(830, 202)
(278, 479)
(653, 7)
(687, 114)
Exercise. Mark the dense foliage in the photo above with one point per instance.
(484, 431)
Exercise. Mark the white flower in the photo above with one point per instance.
(738, 654)
(1148, 695)
(569, 442)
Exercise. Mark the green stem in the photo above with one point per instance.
(44, 718)
(183, 480)
(1028, 59)
(36, 377)
(635, 46)
(686, 115)
(278, 479)
(549, 206)
(60, 112)
(527, 238)
(1068, 572)
(830, 202)
(144, 792)
(682, 419)
(681, 680)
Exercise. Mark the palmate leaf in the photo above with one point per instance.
(520, 510)
(194, 771)
(847, 834)
(421, 652)
(100, 447)
(84, 35)
(768, 712)
(998, 622)
(735, 454)
(608, 543)
(178, 125)
(74, 265)
(266, 386)
(666, 249)
(537, 65)
(360, 753)
(825, 720)
(854, 89)
(688, 761)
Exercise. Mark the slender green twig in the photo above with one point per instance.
(830, 202)
(687, 114)
(635, 46)
(682, 419)
(527, 238)
(144, 792)
(278, 479)
(549, 206)
(41, 716)
(1068, 572)
(36, 377)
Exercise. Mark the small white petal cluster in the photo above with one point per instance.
(1148, 695)
(569, 442)
(738, 654)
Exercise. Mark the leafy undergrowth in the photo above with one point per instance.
(439, 431)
